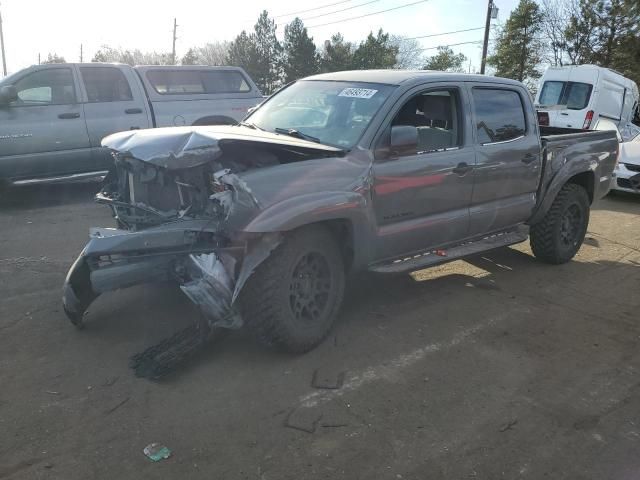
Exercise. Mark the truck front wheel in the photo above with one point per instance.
(292, 299)
(559, 235)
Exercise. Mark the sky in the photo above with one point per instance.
(33, 27)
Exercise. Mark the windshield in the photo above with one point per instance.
(333, 113)
(574, 95)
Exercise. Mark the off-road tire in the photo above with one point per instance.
(548, 237)
(267, 300)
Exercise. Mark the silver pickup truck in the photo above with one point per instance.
(381, 171)
(53, 117)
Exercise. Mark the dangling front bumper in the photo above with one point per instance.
(209, 270)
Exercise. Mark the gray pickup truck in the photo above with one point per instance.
(53, 117)
(381, 171)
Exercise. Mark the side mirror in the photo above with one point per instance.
(404, 140)
(8, 94)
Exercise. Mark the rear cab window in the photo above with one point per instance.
(499, 115)
(176, 82)
(575, 95)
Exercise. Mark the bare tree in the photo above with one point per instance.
(556, 17)
(409, 52)
(131, 57)
(213, 53)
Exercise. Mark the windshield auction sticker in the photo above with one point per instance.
(357, 92)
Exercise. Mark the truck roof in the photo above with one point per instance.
(397, 77)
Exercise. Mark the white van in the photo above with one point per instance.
(576, 96)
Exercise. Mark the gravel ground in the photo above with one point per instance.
(495, 367)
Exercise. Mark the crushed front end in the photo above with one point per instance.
(178, 214)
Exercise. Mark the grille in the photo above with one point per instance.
(633, 182)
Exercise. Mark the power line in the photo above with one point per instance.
(444, 33)
(450, 45)
(342, 10)
(312, 9)
(368, 14)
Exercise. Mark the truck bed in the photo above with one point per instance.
(566, 152)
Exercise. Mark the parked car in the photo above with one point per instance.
(577, 95)
(53, 117)
(383, 171)
(626, 176)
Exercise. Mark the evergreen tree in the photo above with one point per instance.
(190, 58)
(54, 58)
(242, 53)
(518, 50)
(268, 60)
(300, 56)
(446, 60)
(375, 52)
(337, 55)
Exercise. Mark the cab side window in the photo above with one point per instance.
(499, 115)
(435, 115)
(52, 86)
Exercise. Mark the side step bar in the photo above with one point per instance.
(435, 257)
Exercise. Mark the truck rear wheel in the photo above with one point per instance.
(558, 237)
(292, 299)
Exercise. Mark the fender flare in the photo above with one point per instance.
(563, 176)
(308, 209)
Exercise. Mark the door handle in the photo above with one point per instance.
(132, 111)
(69, 115)
(462, 168)
(564, 113)
(529, 158)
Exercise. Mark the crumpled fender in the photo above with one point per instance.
(298, 211)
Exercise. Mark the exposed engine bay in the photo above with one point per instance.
(143, 194)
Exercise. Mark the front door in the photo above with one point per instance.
(422, 197)
(508, 159)
(43, 132)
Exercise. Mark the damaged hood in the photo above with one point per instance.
(184, 147)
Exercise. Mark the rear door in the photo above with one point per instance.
(43, 133)
(508, 150)
(422, 197)
(114, 102)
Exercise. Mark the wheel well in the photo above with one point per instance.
(215, 120)
(585, 180)
(342, 232)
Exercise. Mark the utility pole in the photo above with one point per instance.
(485, 45)
(80, 53)
(4, 58)
(173, 50)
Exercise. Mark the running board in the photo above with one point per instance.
(74, 177)
(434, 257)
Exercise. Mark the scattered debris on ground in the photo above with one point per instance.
(327, 379)
(157, 452)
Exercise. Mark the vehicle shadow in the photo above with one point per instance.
(43, 196)
(139, 317)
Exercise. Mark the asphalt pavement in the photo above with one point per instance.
(498, 367)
